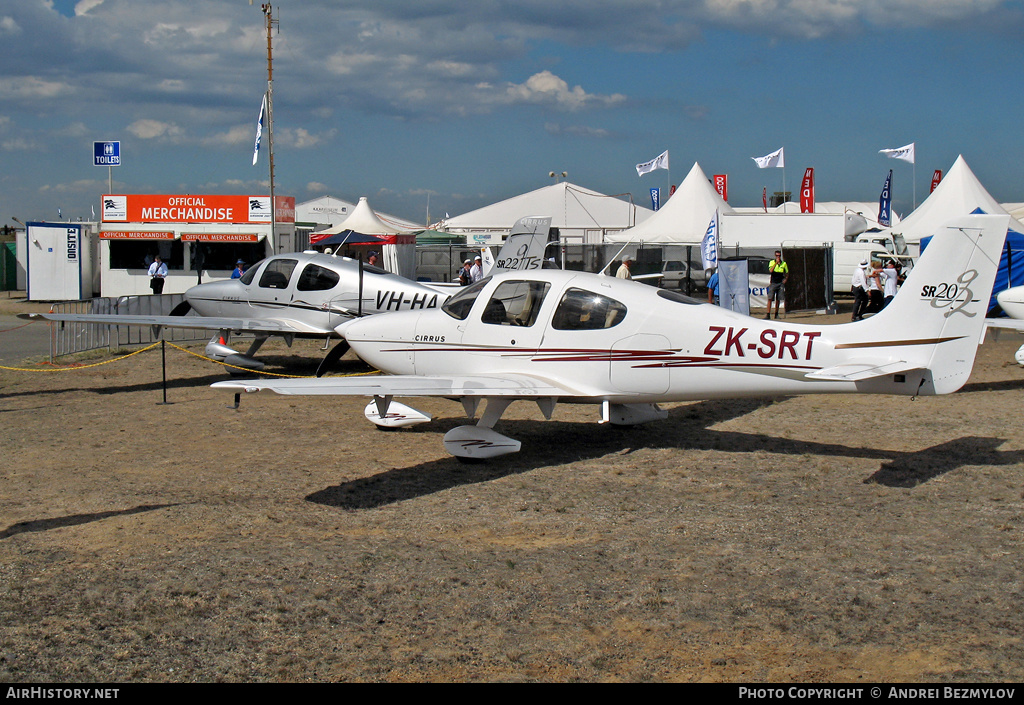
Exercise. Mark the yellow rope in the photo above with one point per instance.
(75, 366)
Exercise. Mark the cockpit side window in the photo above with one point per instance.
(277, 273)
(515, 303)
(250, 273)
(458, 306)
(585, 310)
(317, 278)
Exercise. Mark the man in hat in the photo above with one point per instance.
(627, 264)
(859, 287)
(464, 274)
(476, 272)
(372, 259)
(239, 270)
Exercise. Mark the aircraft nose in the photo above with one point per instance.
(342, 328)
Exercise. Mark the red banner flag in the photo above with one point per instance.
(936, 178)
(807, 192)
(721, 182)
(764, 198)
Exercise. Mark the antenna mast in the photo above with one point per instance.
(268, 13)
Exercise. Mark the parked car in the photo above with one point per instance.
(674, 275)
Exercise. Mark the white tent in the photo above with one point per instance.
(399, 258)
(576, 211)
(684, 217)
(959, 193)
(363, 220)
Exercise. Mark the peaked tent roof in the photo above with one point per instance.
(361, 220)
(569, 206)
(684, 217)
(959, 193)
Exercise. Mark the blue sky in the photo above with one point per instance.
(471, 103)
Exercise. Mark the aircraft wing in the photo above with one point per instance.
(998, 325)
(512, 385)
(252, 325)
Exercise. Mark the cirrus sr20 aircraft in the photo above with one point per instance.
(307, 295)
(552, 336)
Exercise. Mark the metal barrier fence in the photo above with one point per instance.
(69, 337)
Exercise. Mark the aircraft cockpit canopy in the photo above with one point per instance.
(580, 309)
(459, 305)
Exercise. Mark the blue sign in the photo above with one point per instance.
(885, 202)
(106, 153)
(655, 199)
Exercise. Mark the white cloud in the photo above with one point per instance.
(83, 6)
(546, 88)
(9, 26)
(154, 129)
(32, 87)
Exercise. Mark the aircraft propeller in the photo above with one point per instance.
(181, 309)
(332, 357)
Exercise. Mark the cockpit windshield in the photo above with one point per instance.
(459, 305)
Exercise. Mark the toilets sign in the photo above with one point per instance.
(106, 153)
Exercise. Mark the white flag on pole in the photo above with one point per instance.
(776, 158)
(259, 130)
(906, 153)
(659, 162)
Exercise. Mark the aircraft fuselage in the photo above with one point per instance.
(315, 292)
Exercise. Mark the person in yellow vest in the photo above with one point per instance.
(779, 272)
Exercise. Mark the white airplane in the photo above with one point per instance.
(307, 295)
(560, 336)
(1012, 302)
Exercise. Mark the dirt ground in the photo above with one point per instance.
(811, 539)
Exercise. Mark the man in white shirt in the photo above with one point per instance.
(627, 264)
(859, 286)
(157, 274)
(476, 272)
(890, 279)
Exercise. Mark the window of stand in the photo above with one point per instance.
(139, 254)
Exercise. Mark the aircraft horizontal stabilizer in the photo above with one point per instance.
(478, 442)
(857, 371)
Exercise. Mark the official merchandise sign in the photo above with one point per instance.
(220, 237)
(210, 208)
(106, 153)
(136, 235)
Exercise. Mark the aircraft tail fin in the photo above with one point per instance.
(524, 247)
(937, 319)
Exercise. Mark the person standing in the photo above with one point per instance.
(476, 272)
(623, 272)
(157, 274)
(859, 287)
(464, 274)
(239, 270)
(873, 274)
(779, 271)
(713, 288)
(889, 280)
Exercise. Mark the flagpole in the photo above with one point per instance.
(268, 13)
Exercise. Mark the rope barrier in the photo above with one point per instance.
(78, 366)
